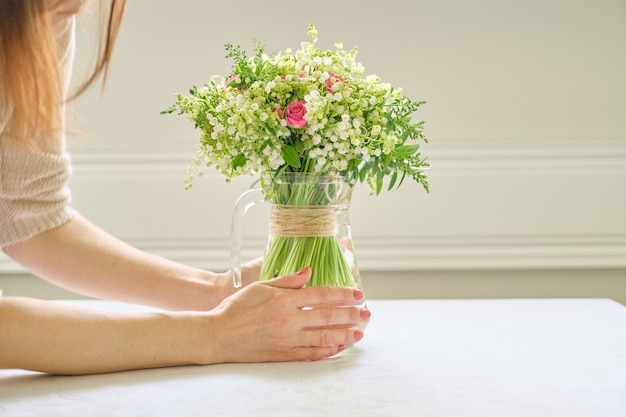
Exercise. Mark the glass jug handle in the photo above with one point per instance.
(243, 204)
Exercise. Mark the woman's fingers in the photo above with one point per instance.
(321, 344)
(316, 295)
(329, 296)
(329, 316)
(307, 353)
(312, 353)
(332, 337)
(292, 281)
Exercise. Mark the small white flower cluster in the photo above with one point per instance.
(307, 111)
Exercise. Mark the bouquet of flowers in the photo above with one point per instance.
(309, 112)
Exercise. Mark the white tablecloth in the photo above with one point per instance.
(449, 358)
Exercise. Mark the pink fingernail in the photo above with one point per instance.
(341, 348)
(303, 270)
(358, 295)
(358, 335)
(365, 314)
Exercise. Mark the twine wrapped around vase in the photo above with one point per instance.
(303, 221)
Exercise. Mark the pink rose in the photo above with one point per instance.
(332, 79)
(294, 114)
(229, 80)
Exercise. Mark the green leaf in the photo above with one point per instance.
(290, 155)
(407, 150)
(380, 175)
(392, 181)
(402, 179)
(362, 174)
(239, 161)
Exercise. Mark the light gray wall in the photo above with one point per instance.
(489, 69)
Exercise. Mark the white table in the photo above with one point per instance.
(483, 358)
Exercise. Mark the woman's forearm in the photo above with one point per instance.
(83, 258)
(55, 338)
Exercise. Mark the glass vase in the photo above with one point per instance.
(309, 226)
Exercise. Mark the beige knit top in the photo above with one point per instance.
(34, 195)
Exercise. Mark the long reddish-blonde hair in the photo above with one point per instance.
(31, 88)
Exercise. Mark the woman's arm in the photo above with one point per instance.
(50, 337)
(262, 322)
(83, 258)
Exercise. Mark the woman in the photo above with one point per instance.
(204, 320)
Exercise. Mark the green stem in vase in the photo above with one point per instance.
(323, 254)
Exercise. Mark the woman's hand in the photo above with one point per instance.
(250, 272)
(278, 320)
